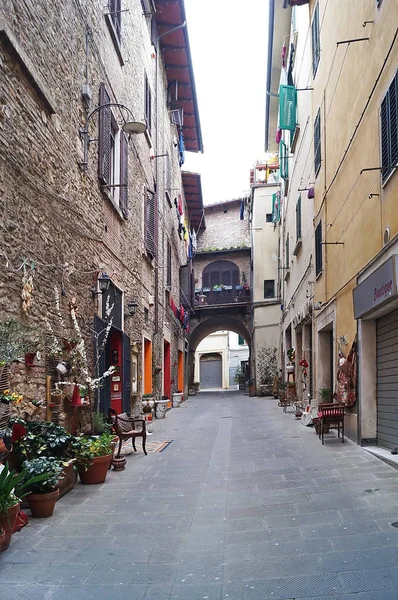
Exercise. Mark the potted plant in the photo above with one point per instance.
(326, 395)
(42, 494)
(94, 455)
(12, 490)
(161, 407)
(148, 402)
(177, 398)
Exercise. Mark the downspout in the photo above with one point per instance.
(157, 152)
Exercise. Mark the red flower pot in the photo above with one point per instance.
(42, 505)
(96, 471)
(7, 522)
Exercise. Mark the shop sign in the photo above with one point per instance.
(376, 289)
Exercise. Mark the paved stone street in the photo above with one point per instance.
(245, 504)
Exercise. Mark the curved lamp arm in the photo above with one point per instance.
(84, 131)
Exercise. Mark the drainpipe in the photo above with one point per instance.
(182, 26)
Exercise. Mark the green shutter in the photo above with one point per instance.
(283, 160)
(287, 107)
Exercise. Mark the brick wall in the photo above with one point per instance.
(224, 228)
(52, 212)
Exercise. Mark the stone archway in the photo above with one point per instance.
(203, 325)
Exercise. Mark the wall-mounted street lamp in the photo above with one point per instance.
(131, 308)
(130, 126)
(104, 282)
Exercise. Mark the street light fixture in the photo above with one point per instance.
(104, 282)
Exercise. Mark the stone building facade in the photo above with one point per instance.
(70, 213)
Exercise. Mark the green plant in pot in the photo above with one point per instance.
(13, 487)
(94, 455)
(43, 494)
(326, 395)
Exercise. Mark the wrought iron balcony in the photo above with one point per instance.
(222, 295)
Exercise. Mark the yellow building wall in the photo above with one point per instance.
(343, 83)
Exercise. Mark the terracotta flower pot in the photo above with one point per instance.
(7, 522)
(96, 471)
(42, 505)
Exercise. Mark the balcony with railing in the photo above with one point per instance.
(222, 295)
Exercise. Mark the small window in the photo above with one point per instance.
(268, 218)
(316, 46)
(148, 105)
(269, 288)
(146, 315)
(389, 130)
(115, 13)
(241, 341)
(317, 142)
(318, 249)
(298, 218)
(283, 160)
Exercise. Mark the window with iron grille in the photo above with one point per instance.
(389, 130)
(318, 249)
(223, 272)
(298, 218)
(112, 155)
(317, 142)
(148, 105)
(316, 43)
(150, 221)
(269, 288)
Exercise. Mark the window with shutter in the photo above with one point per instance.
(241, 341)
(287, 107)
(167, 177)
(148, 105)
(150, 240)
(298, 218)
(168, 277)
(316, 46)
(123, 194)
(287, 252)
(318, 248)
(283, 160)
(317, 142)
(115, 13)
(104, 137)
(223, 272)
(389, 130)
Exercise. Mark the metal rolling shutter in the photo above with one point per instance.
(387, 380)
(210, 374)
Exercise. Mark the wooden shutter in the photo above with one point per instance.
(185, 285)
(283, 160)
(317, 142)
(124, 180)
(316, 50)
(318, 248)
(235, 277)
(287, 107)
(126, 374)
(104, 137)
(287, 252)
(150, 206)
(214, 278)
(148, 105)
(205, 280)
(226, 278)
(168, 277)
(298, 218)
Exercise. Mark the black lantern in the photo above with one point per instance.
(131, 308)
(104, 282)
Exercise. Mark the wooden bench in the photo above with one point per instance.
(127, 427)
(331, 416)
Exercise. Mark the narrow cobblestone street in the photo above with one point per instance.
(244, 504)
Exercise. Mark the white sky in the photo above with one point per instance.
(228, 41)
